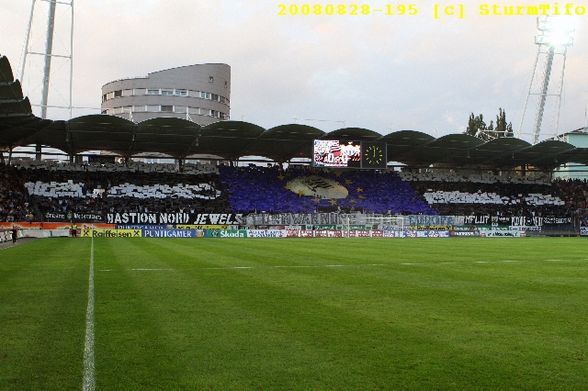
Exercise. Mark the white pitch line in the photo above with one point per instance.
(553, 260)
(289, 266)
(89, 382)
(151, 270)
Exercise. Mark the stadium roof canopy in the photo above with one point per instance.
(180, 138)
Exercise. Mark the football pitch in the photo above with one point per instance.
(294, 314)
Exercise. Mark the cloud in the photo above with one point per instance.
(380, 72)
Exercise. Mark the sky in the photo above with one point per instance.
(375, 71)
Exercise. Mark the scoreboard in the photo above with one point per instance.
(349, 154)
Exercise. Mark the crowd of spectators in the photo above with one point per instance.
(14, 202)
(499, 198)
(31, 190)
(259, 189)
(89, 189)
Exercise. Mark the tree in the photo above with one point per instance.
(478, 128)
(501, 122)
(475, 124)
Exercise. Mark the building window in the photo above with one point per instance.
(117, 93)
(110, 95)
(127, 109)
(167, 108)
(152, 92)
(211, 79)
(127, 92)
(182, 92)
(167, 92)
(138, 109)
(103, 97)
(152, 109)
(180, 109)
(194, 110)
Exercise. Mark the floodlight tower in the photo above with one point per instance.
(48, 54)
(552, 42)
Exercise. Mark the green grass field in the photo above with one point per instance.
(300, 314)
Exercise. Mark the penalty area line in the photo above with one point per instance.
(89, 381)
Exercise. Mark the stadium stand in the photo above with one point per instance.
(30, 187)
(14, 205)
(93, 188)
(257, 189)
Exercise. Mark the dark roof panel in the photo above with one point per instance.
(349, 134)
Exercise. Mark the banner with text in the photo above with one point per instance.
(111, 233)
(175, 218)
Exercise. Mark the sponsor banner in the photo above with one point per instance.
(5, 236)
(584, 231)
(326, 234)
(376, 233)
(300, 233)
(168, 233)
(501, 234)
(464, 233)
(95, 217)
(434, 228)
(557, 220)
(192, 226)
(174, 218)
(394, 234)
(111, 233)
(359, 234)
(52, 225)
(222, 233)
(45, 233)
(439, 234)
(139, 226)
(416, 234)
(267, 233)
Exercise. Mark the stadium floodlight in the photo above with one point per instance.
(556, 35)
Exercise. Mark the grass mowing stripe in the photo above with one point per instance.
(89, 381)
(42, 303)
